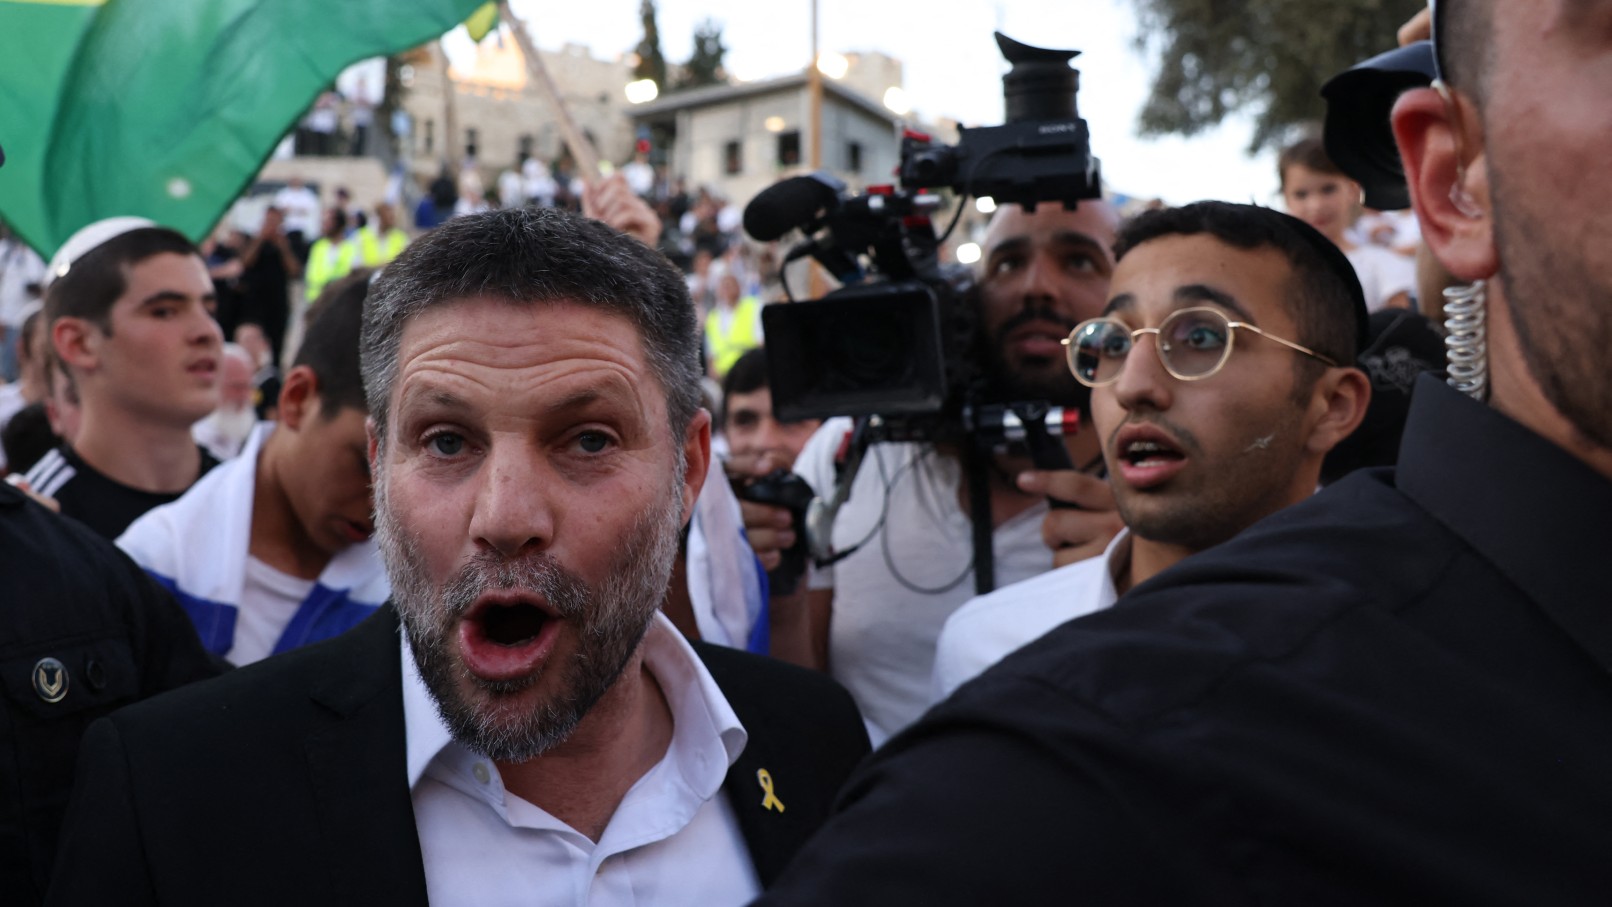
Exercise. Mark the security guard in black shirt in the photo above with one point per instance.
(83, 631)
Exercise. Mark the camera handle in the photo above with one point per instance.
(1036, 424)
(976, 472)
(821, 513)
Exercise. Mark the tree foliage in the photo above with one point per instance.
(1264, 57)
(704, 66)
(651, 62)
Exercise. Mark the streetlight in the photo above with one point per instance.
(833, 65)
(642, 91)
(896, 101)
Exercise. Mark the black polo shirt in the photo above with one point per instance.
(1396, 692)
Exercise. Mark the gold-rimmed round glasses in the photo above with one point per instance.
(1193, 344)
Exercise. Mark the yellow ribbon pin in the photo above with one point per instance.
(770, 801)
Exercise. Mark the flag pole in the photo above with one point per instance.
(582, 150)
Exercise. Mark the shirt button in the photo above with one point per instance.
(481, 773)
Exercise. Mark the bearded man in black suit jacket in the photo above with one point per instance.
(540, 734)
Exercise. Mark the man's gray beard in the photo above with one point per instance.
(234, 424)
(609, 623)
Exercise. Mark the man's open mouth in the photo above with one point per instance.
(512, 625)
(1146, 456)
(1150, 453)
(507, 637)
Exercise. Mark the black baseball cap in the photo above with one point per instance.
(1358, 135)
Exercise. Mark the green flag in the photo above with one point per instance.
(167, 108)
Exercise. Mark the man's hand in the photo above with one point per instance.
(1074, 535)
(1418, 28)
(755, 464)
(611, 201)
(273, 225)
(16, 481)
(770, 529)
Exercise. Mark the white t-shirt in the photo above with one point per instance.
(916, 567)
(1383, 274)
(268, 602)
(674, 838)
(301, 207)
(11, 403)
(989, 627)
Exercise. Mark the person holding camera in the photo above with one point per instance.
(872, 619)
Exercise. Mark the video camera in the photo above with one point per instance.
(900, 340)
(899, 346)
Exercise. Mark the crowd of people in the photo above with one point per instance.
(461, 573)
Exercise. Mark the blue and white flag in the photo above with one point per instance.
(726, 585)
(197, 547)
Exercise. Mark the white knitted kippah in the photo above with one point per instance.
(89, 238)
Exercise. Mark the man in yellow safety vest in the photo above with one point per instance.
(733, 326)
(380, 243)
(331, 256)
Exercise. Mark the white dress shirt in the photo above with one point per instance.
(983, 631)
(672, 840)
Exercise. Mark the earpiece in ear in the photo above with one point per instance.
(1464, 202)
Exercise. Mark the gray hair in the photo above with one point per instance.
(535, 255)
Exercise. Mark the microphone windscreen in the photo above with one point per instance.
(786, 205)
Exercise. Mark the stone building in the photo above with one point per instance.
(739, 139)
(500, 114)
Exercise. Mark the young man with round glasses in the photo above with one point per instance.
(1210, 417)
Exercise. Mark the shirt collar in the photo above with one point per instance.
(703, 724)
(1534, 511)
(1116, 560)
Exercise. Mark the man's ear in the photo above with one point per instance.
(374, 443)
(1341, 397)
(697, 453)
(299, 397)
(1446, 169)
(77, 342)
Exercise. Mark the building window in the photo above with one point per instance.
(733, 158)
(472, 139)
(853, 157)
(525, 148)
(429, 136)
(788, 148)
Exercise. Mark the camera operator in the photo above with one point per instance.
(873, 618)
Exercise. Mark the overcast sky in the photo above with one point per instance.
(952, 68)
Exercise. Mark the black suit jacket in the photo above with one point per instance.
(285, 782)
